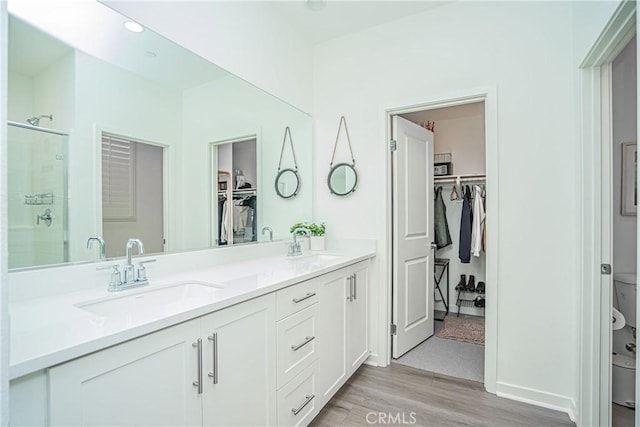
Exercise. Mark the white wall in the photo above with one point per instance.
(625, 129)
(228, 109)
(248, 39)
(532, 72)
(153, 113)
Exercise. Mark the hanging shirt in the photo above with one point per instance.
(477, 228)
(443, 238)
(464, 251)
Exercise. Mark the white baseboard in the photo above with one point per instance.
(374, 360)
(534, 397)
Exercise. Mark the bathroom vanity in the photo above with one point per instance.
(262, 342)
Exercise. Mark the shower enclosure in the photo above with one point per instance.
(37, 190)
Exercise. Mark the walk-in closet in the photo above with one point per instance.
(459, 200)
(236, 186)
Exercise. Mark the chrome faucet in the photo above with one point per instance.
(100, 240)
(132, 276)
(129, 269)
(294, 247)
(270, 230)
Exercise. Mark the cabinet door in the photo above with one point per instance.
(357, 320)
(143, 382)
(239, 365)
(332, 335)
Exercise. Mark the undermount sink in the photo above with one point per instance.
(177, 296)
(319, 259)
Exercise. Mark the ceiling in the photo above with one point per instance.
(43, 32)
(340, 17)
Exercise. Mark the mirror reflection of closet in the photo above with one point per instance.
(235, 216)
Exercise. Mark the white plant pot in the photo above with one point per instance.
(317, 243)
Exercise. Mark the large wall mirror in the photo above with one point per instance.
(111, 133)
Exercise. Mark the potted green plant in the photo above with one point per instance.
(317, 231)
(317, 236)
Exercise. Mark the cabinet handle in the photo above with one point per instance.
(350, 279)
(307, 296)
(306, 341)
(355, 286)
(214, 339)
(198, 383)
(307, 400)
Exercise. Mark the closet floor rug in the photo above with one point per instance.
(465, 329)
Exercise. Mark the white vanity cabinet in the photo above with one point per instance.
(298, 345)
(239, 365)
(146, 381)
(166, 379)
(343, 328)
(271, 360)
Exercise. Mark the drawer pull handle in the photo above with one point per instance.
(307, 400)
(198, 383)
(307, 296)
(306, 341)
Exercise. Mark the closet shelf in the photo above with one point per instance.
(463, 178)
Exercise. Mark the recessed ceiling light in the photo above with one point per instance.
(134, 27)
(315, 5)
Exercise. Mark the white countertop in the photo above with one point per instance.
(51, 330)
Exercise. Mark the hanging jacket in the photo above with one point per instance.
(477, 227)
(441, 226)
(464, 251)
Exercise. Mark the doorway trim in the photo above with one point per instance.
(594, 146)
(488, 95)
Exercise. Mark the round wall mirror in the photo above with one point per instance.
(343, 179)
(287, 183)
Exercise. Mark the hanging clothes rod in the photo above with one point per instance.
(247, 191)
(463, 178)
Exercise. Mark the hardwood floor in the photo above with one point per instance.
(401, 395)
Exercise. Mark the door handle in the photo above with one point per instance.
(198, 382)
(355, 286)
(214, 374)
(350, 279)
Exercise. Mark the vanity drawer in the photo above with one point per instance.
(297, 401)
(297, 347)
(295, 298)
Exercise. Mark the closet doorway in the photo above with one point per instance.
(452, 289)
(235, 183)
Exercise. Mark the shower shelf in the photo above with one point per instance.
(39, 199)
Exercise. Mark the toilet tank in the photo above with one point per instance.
(625, 287)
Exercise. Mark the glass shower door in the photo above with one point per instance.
(37, 191)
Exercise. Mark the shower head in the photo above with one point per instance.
(35, 121)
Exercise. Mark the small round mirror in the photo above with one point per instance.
(343, 179)
(287, 183)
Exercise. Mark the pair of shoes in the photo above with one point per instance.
(479, 302)
(471, 286)
(462, 284)
(480, 288)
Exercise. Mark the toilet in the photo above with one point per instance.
(624, 362)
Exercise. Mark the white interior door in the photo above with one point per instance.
(413, 297)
